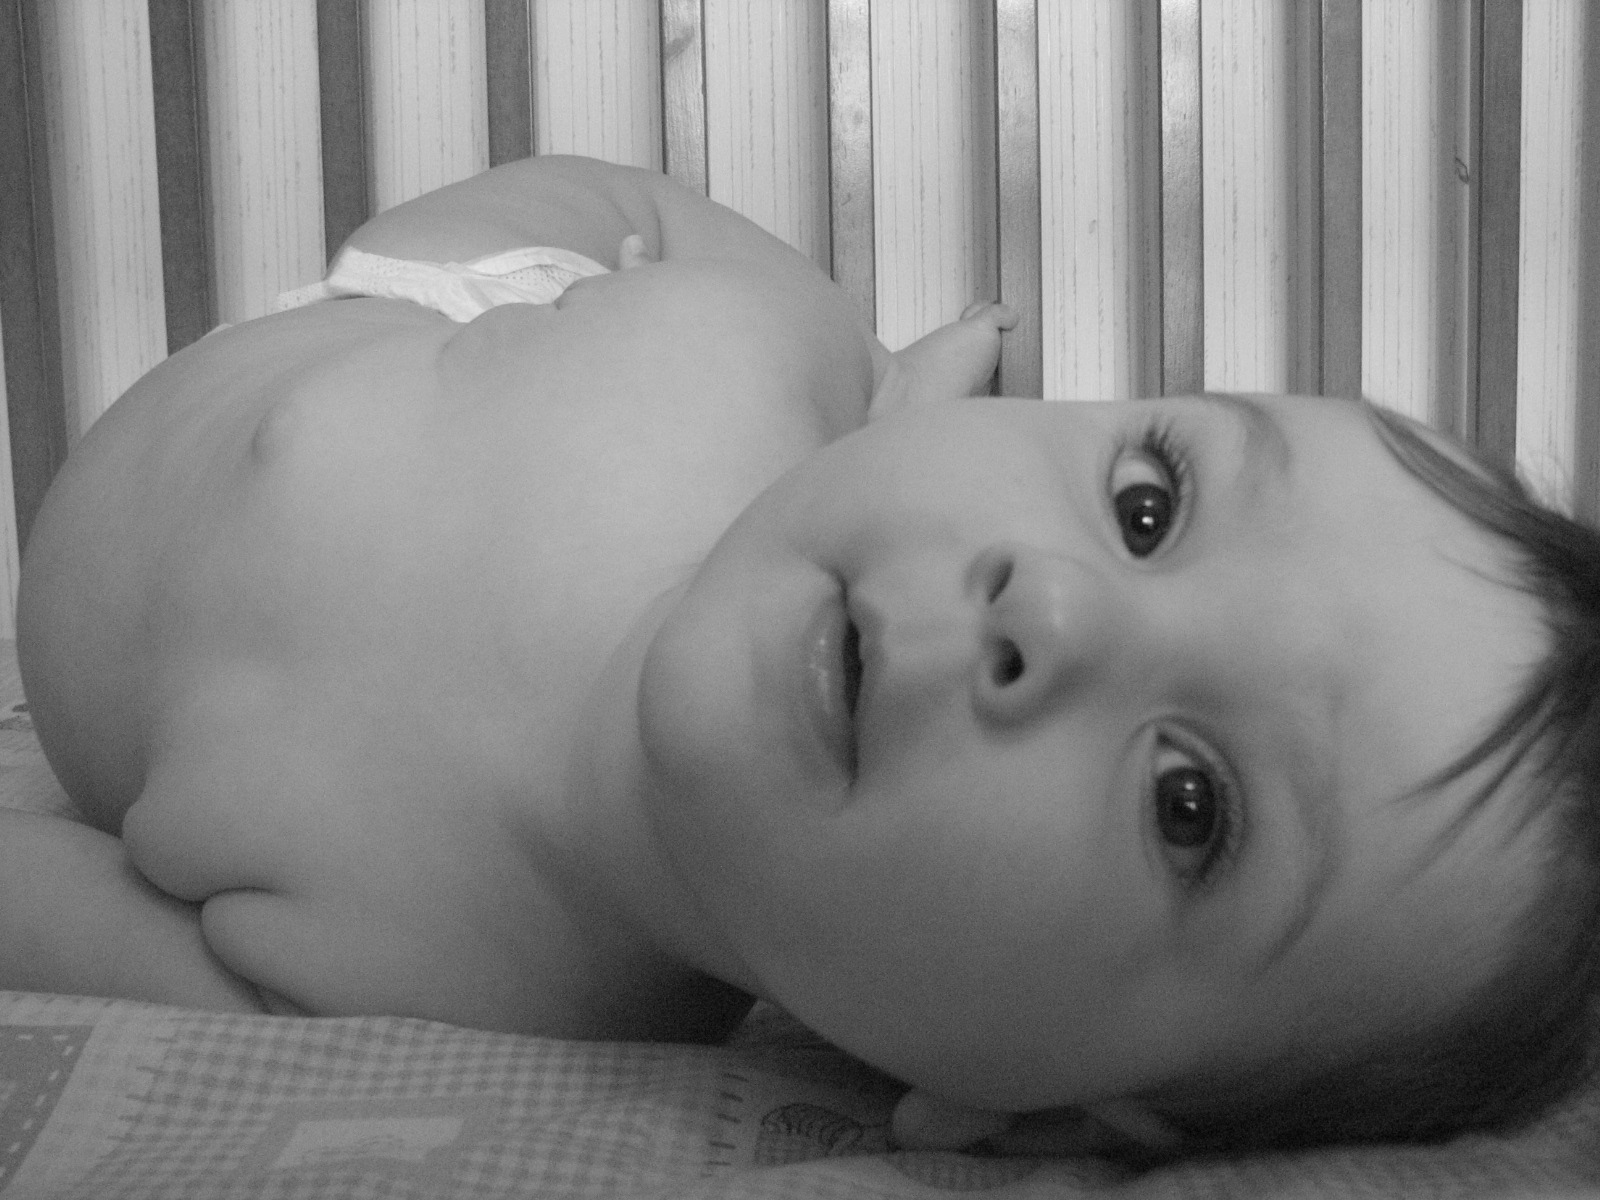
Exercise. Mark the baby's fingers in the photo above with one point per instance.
(1001, 316)
(632, 253)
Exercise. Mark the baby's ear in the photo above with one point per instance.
(1120, 1129)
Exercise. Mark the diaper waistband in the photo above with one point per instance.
(461, 291)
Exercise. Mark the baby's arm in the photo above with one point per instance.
(75, 916)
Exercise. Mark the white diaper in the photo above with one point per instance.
(528, 275)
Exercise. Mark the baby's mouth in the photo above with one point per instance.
(850, 680)
(851, 654)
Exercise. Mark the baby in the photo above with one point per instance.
(589, 668)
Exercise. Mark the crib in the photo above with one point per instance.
(1392, 198)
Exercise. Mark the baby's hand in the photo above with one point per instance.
(954, 360)
(632, 253)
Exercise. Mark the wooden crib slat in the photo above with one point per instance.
(508, 33)
(341, 58)
(1341, 205)
(30, 320)
(177, 83)
(850, 185)
(1586, 470)
(1494, 247)
(683, 92)
(1182, 228)
(1016, 39)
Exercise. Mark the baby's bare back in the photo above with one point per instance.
(310, 616)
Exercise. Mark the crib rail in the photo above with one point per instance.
(1322, 195)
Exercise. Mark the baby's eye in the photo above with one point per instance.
(1146, 489)
(1193, 813)
(1144, 514)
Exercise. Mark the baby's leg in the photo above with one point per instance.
(953, 361)
(77, 917)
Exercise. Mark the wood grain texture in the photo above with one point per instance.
(933, 180)
(101, 139)
(1340, 204)
(1017, 153)
(341, 80)
(427, 80)
(1097, 192)
(1495, 230)
(767, 117)
(852, 238)
(1552, 333)
(178, 83)
(30, 342)
(10, 552)
(1400, 314)
(683, 92)
(508, 69)
(1183, 317)
(1586, 467)
(264, 133)
(597, 80)
(1248, 210)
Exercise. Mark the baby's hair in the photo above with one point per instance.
(1529, 1033)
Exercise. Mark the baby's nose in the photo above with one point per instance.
(1048, 623)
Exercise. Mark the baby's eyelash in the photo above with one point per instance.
(1161, 442)
(1226, 846)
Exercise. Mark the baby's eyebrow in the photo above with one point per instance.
(1266, 444)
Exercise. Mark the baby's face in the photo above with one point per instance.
(1115, 799)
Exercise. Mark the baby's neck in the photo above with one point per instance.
(604, 851)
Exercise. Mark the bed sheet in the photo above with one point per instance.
(107, 1099)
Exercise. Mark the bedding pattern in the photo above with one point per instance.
(111, 1099)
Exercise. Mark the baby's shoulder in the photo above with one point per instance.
(777, 336)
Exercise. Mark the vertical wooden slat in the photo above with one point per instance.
(1495, 243)
(597, 78)
(1341, 203)
(1144, 116)
(1304, 131)
(177, 80)
(1182, 228)
(346, 192)
(1553, 327)
(1251, 308)
(934, 178)
(1099, 185)
(767, 118)
(264, 145)
(29, 316)
(1586, 486)
(850, 199)
(683, 92)
(427, 92)
(508, 36)
(1016, 46)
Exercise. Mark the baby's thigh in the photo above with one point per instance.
(308, 877)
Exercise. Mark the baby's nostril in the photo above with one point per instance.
(1001, 577)
(1007, 663)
